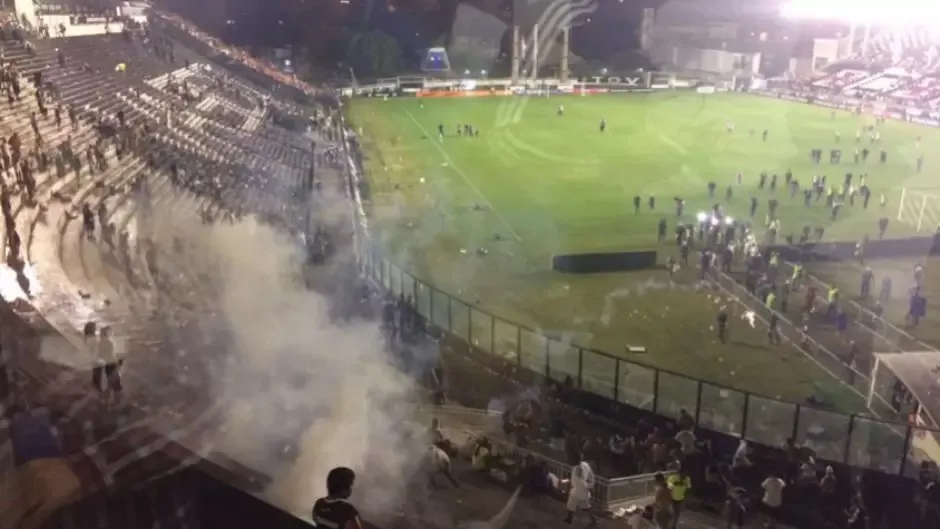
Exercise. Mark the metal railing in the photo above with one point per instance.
(886, 337)
(853, 439)
(855, 380)
(608, 493)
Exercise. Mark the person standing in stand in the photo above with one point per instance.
(333, 511)
(579, 496)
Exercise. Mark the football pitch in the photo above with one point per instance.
(481, 217)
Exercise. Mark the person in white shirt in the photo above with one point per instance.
(686, 440)
(111, 365)
(741, 459)
(579, 495)
(439, 463)
(773, 496)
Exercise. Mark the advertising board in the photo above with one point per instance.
(634, 81)
(925, 121)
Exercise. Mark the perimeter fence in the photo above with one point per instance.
(854, 439)
(608, 494)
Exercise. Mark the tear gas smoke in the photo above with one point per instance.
(294, 374)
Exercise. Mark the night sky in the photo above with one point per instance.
(322, 25)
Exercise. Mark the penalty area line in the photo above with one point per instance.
(462, 174)
(670, 142)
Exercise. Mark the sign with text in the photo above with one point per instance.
(630, 81)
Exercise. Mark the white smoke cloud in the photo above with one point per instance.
(296, 370)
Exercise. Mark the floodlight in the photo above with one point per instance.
(729, 221)
(702, 216)
(715, 221)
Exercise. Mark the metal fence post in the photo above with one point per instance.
(655, 390)
(796, 423)
(698, 402)
(518, 345)
(747, 404)
(548, 358)
(907, 442)
(470, 325)
(848, 439)
(492, 333)
(616, 380)
(580, 367)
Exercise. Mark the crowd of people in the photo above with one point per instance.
(743, 484)
(52, 151)
(787, 484)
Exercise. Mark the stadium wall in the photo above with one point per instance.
(475, 39)
(830, 51)
(671, 33)
(25, 8)
(715, 61)
(631, 82)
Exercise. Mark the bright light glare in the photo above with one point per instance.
(894, 13)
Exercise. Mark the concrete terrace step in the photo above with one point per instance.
(264, 163)
(179, 75)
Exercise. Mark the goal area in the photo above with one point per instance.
(920, 209)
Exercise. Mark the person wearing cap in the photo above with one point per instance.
(333, 511)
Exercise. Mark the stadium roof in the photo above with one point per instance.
(920, 373)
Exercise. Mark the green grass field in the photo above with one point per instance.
(534, 184)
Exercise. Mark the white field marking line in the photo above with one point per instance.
(463, 175)
(670, 142)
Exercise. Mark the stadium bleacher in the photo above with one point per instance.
(898, 68)
(124, 132)
(841, 79)
(196, 142)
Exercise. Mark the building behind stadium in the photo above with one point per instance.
(724, 39)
